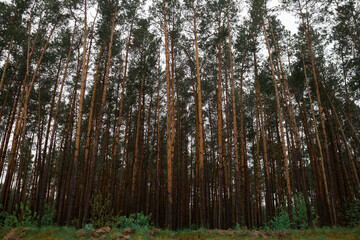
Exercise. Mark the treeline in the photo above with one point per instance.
(185, 110)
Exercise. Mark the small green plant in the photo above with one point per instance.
(75, 222)
(300, 213)
(48, 216)
(10, 221)
(281, 220)
(20, 217)
(25, 217)
(238, 227)
(135, 220)
(3, 215)
(88, 228)
(352, 214)
(193, 227)
(101, 212)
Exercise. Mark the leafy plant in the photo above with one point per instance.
(20, 217)
(10, 221)
(238, 227)
(75, 222)
(352, 214)
(3, 215)
(25, 217)
(101, 212)
(135, 220)
(48, 216)
(88, 228)
(281, 220)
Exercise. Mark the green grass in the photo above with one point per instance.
(145, 234)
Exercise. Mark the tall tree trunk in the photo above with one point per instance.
(201, 133)
(322, 160)
(99, 126)
(169, 130)
(220, 129)
(289, 195)
(6, 63)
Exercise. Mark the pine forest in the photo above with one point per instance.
(188, 113)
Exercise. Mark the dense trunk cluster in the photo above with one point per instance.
(190, 111)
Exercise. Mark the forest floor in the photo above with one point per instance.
(107, 233)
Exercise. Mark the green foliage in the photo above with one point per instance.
(135, 220)
(101, 212)
(281, 220)
(300, 213)
(21, 217)
(75, 222)
(51, 232)
(88, 228)
(25, 218)
(238, 227)
(10, 221)
(3, 215)
(352, 214)
(48, 216)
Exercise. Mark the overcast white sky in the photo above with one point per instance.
(286, 18)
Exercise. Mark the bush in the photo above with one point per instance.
(21, 217)
(25, 218)
(48, 216)
(88, 228)
(281, 220)
(101, 212)
(352, 214)
(135, 220)
(74, 222)
(10, 221)
(240, 228)
(3, 215)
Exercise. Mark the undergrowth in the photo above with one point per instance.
(281, 222)
(352, 214)
(22, 216)
(102, 216)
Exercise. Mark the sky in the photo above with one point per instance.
(286, 18)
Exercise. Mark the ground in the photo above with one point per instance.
(107, 233)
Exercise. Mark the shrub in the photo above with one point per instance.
(48, 216)
(88, 228)
(281, 220)
(101, 212)
(352, 214)
(21, 217)
(75, 222)
(135, 220)
(10, 221)
(25, 218)
(238, 227)
(3, 215)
